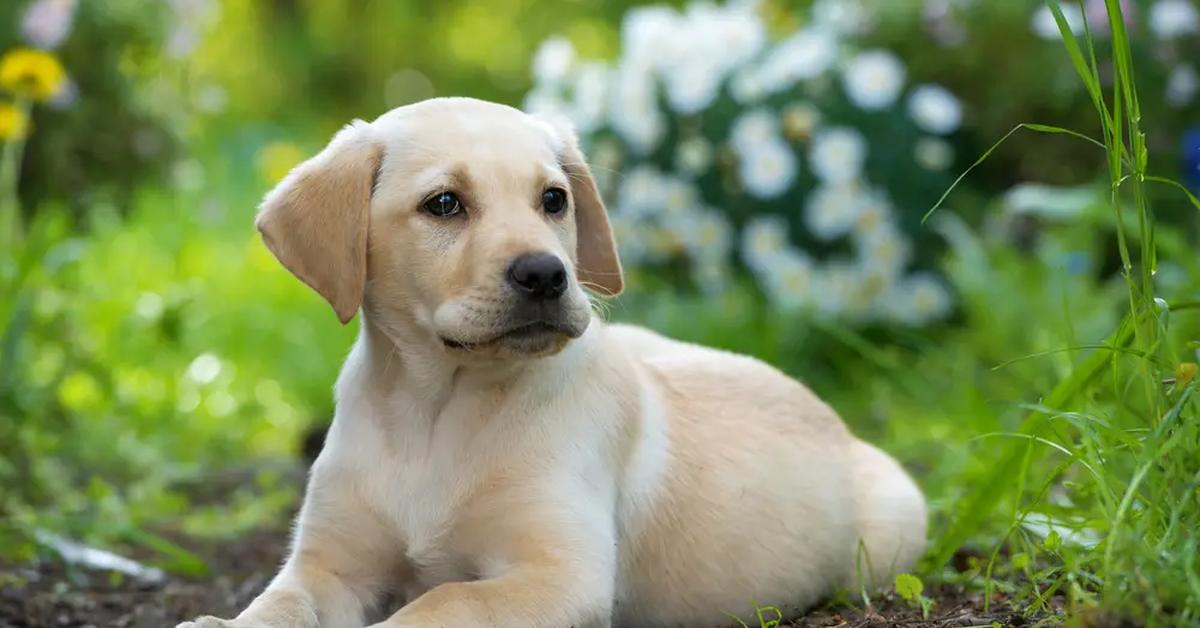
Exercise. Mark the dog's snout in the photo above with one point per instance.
(538, 276)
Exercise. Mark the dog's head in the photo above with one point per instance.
(473, 223)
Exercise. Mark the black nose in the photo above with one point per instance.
(538, 276)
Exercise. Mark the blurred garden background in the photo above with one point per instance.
(1028, 349)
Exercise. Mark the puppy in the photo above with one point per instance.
(502, 458)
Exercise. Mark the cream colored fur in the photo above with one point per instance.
(601, 476)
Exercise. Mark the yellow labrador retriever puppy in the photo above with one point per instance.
(502, 458)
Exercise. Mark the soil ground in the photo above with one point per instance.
(47, 595)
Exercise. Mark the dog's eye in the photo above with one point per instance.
(443, 205)
(554, 201)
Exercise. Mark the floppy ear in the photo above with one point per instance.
(315, 221)
(599, 268)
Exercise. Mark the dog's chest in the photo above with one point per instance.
(421, 486)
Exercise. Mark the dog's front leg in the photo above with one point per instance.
(341, 559)
(552, 571)
(303, 595)
(529, 597)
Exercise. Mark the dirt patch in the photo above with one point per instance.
(953, 608)
(48, 595)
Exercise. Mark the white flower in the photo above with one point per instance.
(883, 251)
(747, 87)
(606, 163)
(588, 103)
(831, 211)
(835, 288)
(1171, 19)
(633, 109)
(735, 32)
(630, 235)
(553, 60)
(873, 79)
(800, 119)
(874, 213)
(646, 31)
(694, 155)
(1182, 85)
(933, 153)
(707, 235)
(803, 56)
(752, 129)
(873, 285)
(701, 48)
(837, 155)
(842, 16)
(788, 280)
(692, 52)
(204, 369)
(763, 239)
(679, 196)
(47, 23)
(692, 87)
(768, 170)
(935, 109)
(917, 300)
(545, 101)
(641, 192)
(1046, 27)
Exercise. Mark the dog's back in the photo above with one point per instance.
(759, 495)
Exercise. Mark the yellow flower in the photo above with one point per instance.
(276, 159)
(14, 122)
(1185, 373)
(34, 74)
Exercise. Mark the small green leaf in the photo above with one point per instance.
(1052, 541)
(1020, 561)
(926, 606)
(909, 587)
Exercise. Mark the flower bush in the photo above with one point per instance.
(100, 126)
(803, 159)
(1005, 61)
(27, 76)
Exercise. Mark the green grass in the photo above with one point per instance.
(1101, 475)
(1123, 439)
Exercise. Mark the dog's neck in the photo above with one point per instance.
(398, 356)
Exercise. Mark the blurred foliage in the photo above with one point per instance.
(1006, 61)
(286, 61)
(130, 361)
(102, 135)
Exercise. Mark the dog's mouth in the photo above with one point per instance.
(527, 336)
